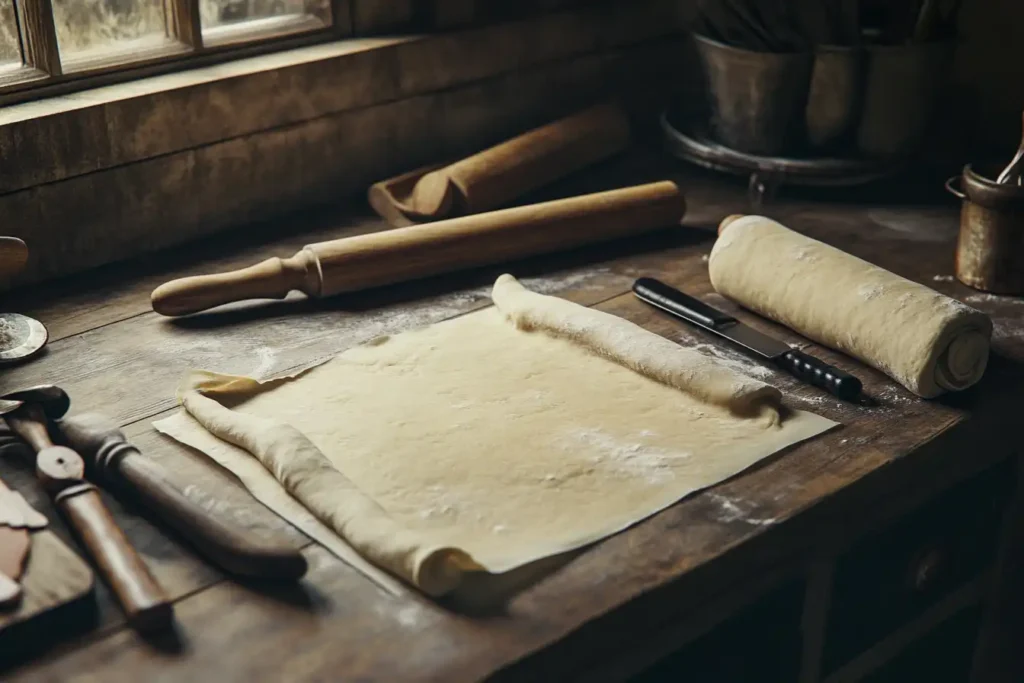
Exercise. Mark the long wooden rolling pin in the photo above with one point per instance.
(382, 258)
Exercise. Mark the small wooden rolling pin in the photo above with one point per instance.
(383, 258)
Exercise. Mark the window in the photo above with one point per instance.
(61, 45)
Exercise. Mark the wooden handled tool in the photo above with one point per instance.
(62, 473)
(110, 458)
(382, 258)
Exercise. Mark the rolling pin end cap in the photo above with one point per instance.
(162, 300)
(727, 221)
(156, 618)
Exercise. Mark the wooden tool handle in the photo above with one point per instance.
(270, 279)
(110, 458)
(236, 550)
(141, 597)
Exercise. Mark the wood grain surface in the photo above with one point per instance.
(55, 601)
(573, 618)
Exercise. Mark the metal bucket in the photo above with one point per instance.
(757, 98)
(901, 89)
(990, 249)
(835, 97)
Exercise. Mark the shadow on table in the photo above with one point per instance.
(483, 594)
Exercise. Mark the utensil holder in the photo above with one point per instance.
(990, 248)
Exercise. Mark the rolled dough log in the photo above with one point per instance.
(637, 349)
(927, 342)
(480, 445)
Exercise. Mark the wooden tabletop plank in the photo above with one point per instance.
(340, 622)
(683, 539)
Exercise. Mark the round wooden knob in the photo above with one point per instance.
(58, 467)
(926, 569)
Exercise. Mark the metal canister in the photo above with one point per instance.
(757, 98)
(990, 250)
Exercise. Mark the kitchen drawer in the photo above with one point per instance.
(943, 656)
(760, 644)
(891, 577)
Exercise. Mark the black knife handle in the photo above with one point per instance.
(669, 298)
(821, 374)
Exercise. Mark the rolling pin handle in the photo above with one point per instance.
(270, 279)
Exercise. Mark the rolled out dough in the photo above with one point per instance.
(488, 441)
(927, 342)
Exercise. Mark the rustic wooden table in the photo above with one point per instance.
(607, 612)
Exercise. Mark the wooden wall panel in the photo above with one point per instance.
(62, 138)
(989, 72)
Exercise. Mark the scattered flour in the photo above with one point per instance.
(870, 292)
(549, 284)
(917, 225)
(1007, 328)
(704, 258)
(943, 278)
(444, 504)
(894, 395)
(735, 361)
(267, 357)
(993, 299)
(732, 511)
(409, 614)
(631, 459)
(805, 253)
(8, 333)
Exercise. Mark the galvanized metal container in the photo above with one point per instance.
(835, 97)
(901, 88)
(757, 98)
(990, 250)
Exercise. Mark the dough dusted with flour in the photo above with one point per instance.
(630, 345)
(927, 342)
(481, 445)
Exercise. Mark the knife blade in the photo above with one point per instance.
(801, 365)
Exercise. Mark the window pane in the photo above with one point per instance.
(10, 45)
(215, 13)
(99, 25)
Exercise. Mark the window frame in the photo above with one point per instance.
(44, 74)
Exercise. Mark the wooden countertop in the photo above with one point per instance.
(642, 591)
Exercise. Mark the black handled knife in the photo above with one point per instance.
(801, 365)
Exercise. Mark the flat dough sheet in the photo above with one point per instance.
(490, 436)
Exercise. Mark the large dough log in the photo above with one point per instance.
(927, 342)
